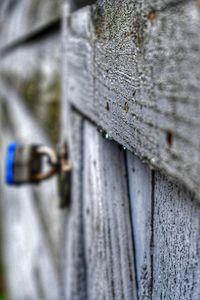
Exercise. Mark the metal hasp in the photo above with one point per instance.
(28, 164)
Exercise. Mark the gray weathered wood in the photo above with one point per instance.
(128, 233)
(107, 224)
(176, 236)
(19, 19)
(30, 75)
(26, 130)
(140, 189)
(74, 273)
(107, 257)
(99, 254)
(143, 92)
(27, 255)
(78, 51)
(33, 71)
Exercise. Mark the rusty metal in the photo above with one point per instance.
(58, 162)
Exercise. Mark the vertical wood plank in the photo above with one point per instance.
(108, 235)
(72, 236)
(79, 55)
(75, 269)
(176, 257)
(140, 188)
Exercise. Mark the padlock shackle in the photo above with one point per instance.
(50, 153)
(44, 176)
(53, 160)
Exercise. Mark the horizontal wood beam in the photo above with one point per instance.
(135, 72)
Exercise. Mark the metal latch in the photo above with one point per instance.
(35, 163)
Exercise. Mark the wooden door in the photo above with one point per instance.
(129, 111)
(136, 224)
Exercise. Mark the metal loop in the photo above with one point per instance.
(57, 164)
(43, 176)
(50, 153)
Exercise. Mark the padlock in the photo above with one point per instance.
(25, 164)
(22, 164)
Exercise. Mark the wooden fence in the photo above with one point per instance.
(129, 72)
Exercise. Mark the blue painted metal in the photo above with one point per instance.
(10, 163)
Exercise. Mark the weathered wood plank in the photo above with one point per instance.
(74, 273)
(78, 51)
(113, 278)
(143, 94)
(176, 236)
(99, 254)
(140, 190)
(19, 19)
(107, 225)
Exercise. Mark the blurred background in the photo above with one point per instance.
(29, 100)
(129, 107)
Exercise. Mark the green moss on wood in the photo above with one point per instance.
(41, 12)
(55, 8)
(43, 101)
(33, 11)
(42, 97)
(52, 118)
(29, 90)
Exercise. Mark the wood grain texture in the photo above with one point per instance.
(19, 18)
(107, 224)
(78, 52)
(74, 273)
(98, 259)
(135, 59)
(99, 263)
(176, 231)
(74, 278)
(140, 191)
